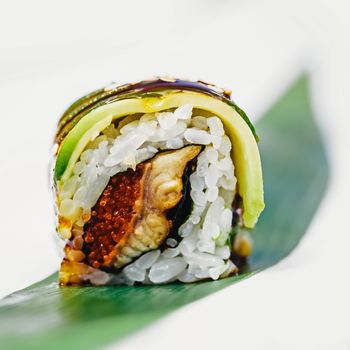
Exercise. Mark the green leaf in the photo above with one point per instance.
(45, 316)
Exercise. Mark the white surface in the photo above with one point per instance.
(51, 54)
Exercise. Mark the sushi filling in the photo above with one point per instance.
(202, 245)
(130, 217)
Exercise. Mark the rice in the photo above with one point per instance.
(203, 250)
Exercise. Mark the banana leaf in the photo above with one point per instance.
(46, 316)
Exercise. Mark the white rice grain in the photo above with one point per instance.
(171, 253)
(215, 126)
(148, 259)
(174, 143)
(197, 182)
(171, 242)
(167, 269)
(212, 176)
(226, 219)
(197, 136)
(183, 112)
(166, 120)
(223, 252)
(187, 277)
(212, 194)
(134, 273)
(198, 197)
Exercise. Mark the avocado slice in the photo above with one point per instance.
(245, 152)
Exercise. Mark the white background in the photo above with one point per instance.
(53, 52)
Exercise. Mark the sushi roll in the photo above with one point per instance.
(155, 182)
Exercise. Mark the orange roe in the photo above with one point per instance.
(111, 217)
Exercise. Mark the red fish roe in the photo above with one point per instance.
(111, 217)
